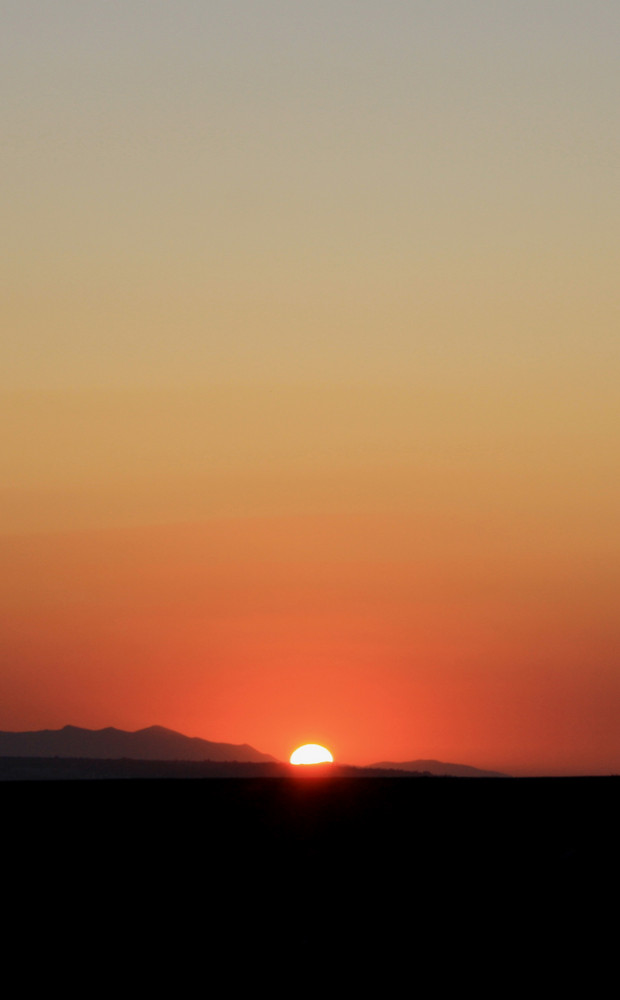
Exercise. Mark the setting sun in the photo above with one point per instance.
(311, 753)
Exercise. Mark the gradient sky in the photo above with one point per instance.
(309, 386)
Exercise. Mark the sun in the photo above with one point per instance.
(311, 753)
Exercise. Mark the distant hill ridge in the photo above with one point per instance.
(152, 743)
(156, 743)
(438, 767)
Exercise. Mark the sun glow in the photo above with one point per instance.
(311, 753)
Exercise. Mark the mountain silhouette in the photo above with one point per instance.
(152, 743)
(156, 743)
(438, 767)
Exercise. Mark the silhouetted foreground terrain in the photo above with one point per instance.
(448, 876)
(91, 769)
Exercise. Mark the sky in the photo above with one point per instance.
(309, 388)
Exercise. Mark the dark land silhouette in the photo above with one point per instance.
(158, 744)
(94, 769)
(287, 879)
(441, 866)
(165, 868)
(152, 743)
(438, 767)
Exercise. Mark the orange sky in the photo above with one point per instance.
(310, 391)
(382, 637)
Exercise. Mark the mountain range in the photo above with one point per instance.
(156, 743)
(438, 767)
(152, 743)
